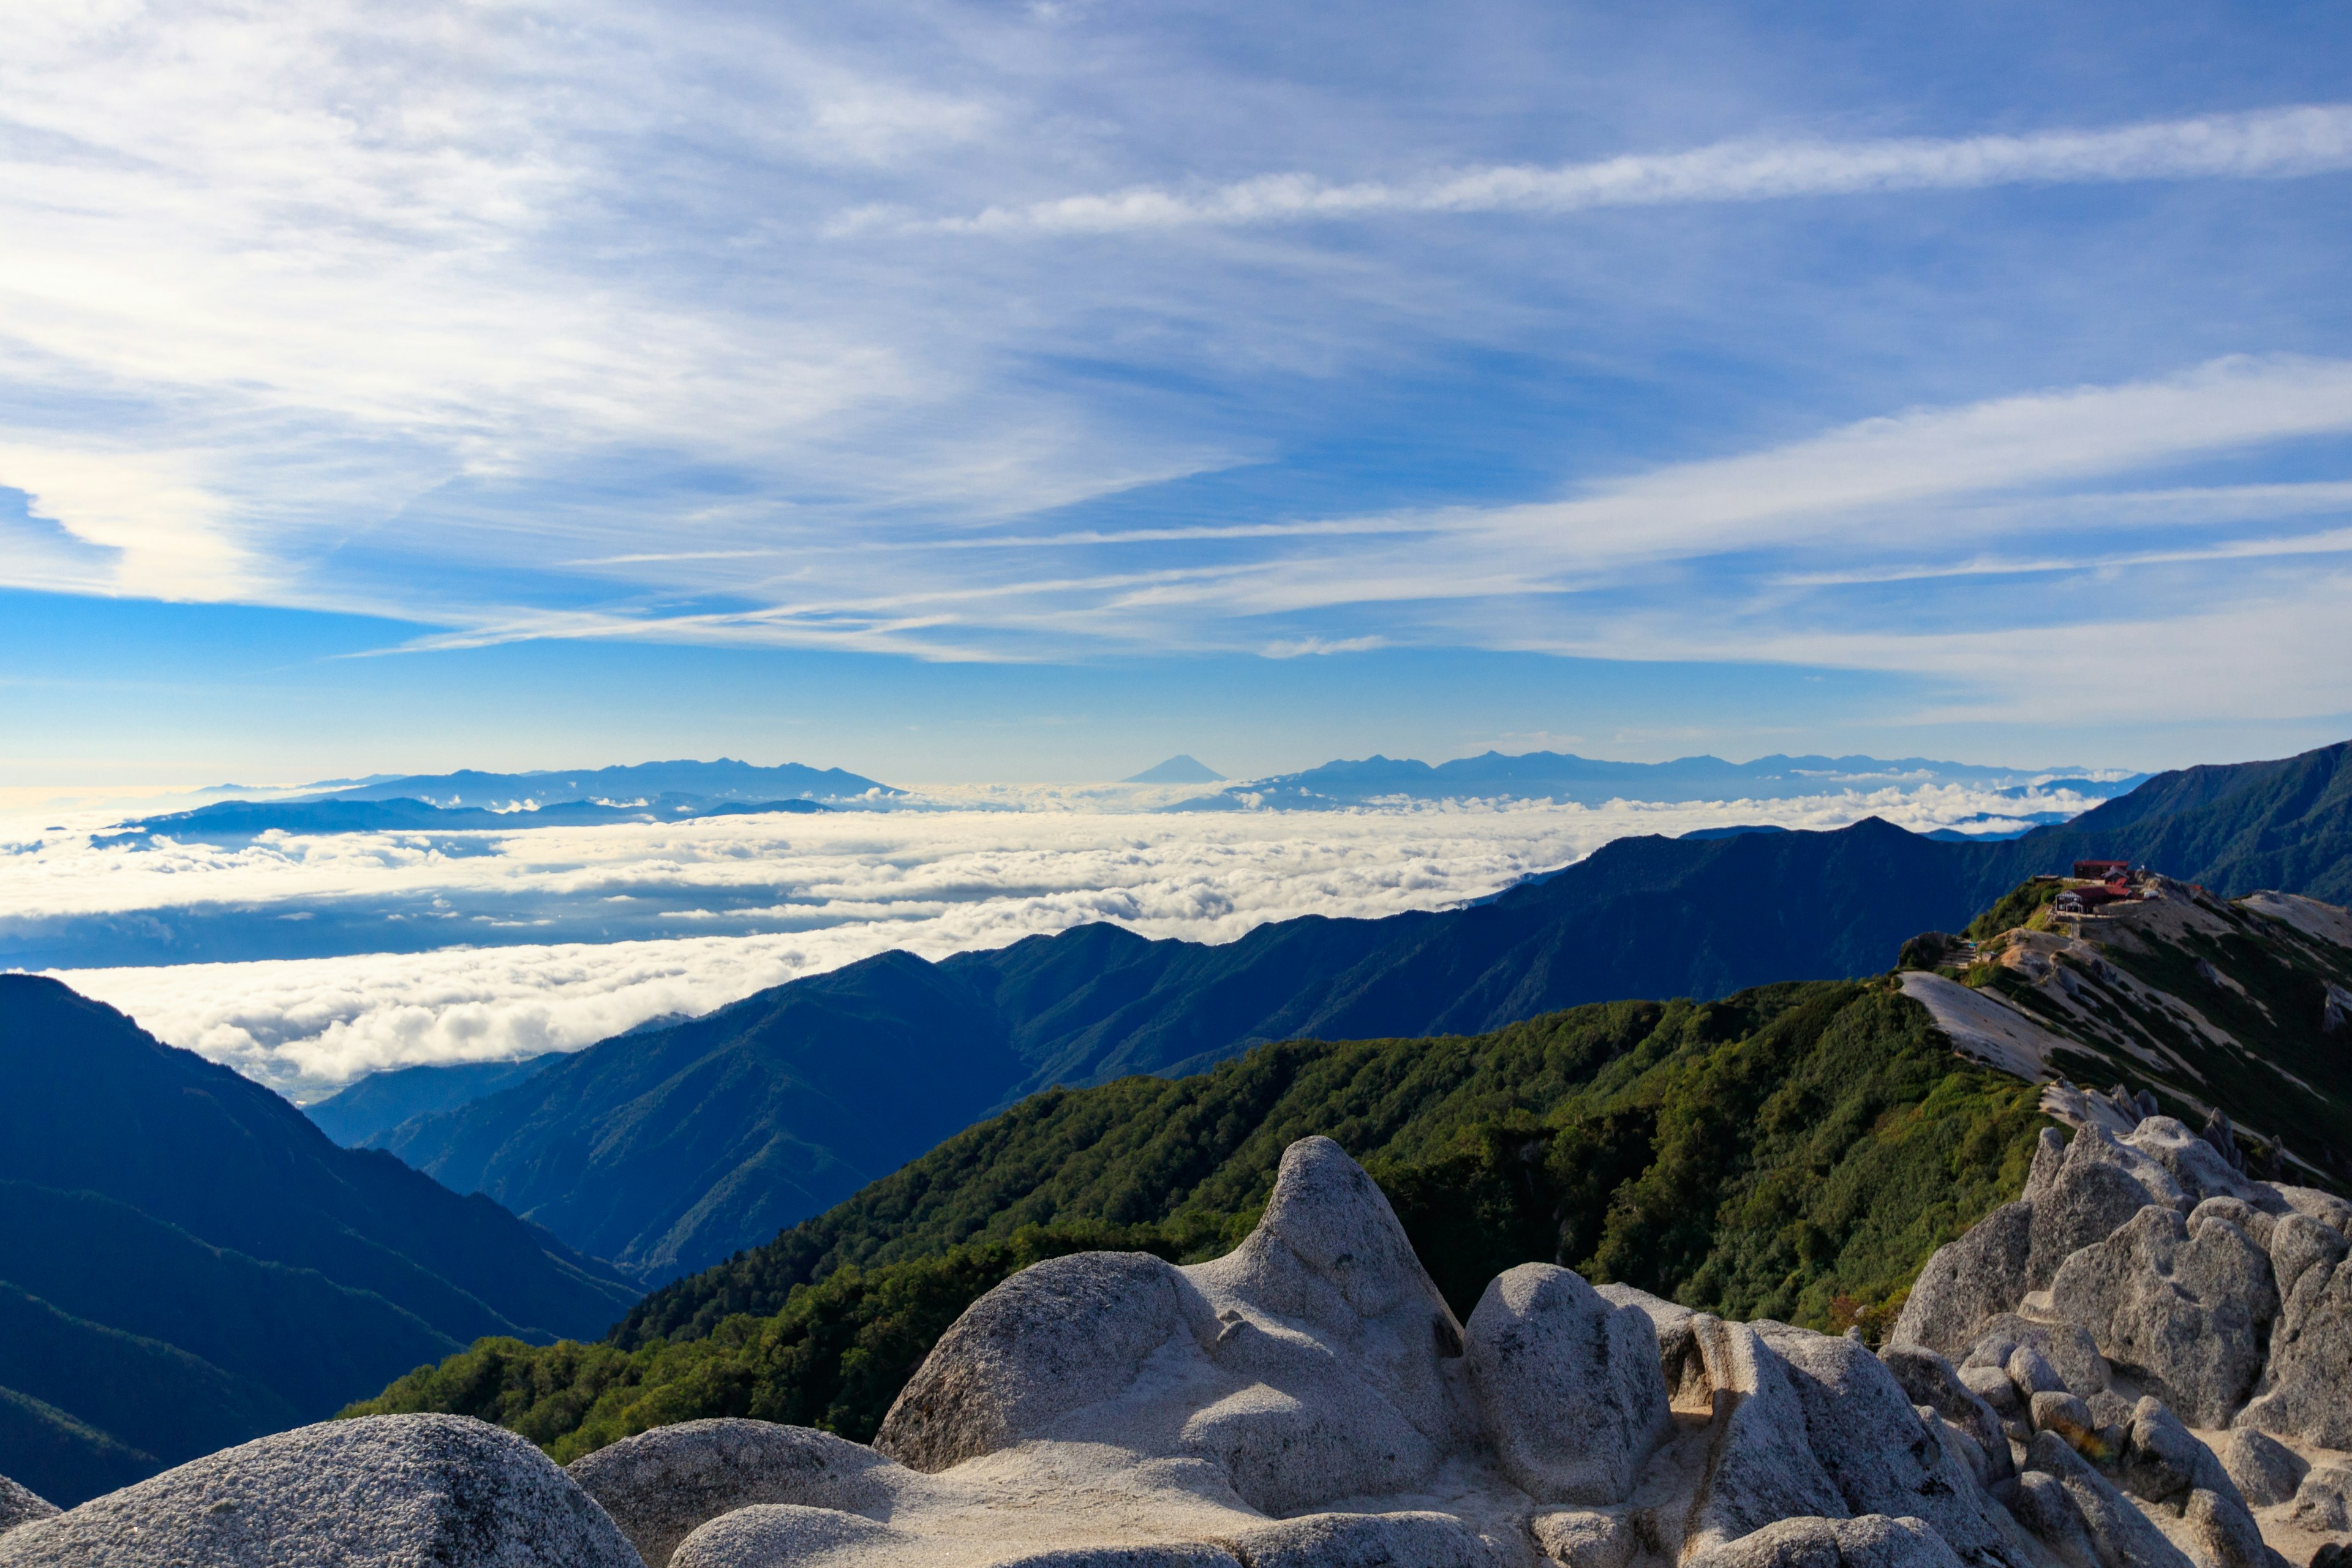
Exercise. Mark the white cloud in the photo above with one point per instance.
(2282, 143)
(934, 883)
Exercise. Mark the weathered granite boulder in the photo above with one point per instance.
(1761, 1467)
(1872, 1541)
(2101, 1183)
(2122, 1536)
(383, 1490)
(2040, 1502)
(2323, 1503)
(2197, 1167)
(658, 1486)
(2067, 1349)
(1570, 1386)
(1928, 1379)
(1979, 1275)
(1328, 1539)
(773, 1535)
(2048, 1156)
(2266, 1471)
(2187, 1312)
(1058, 1335)
(2297, 1244)
(1870, 1442)
(2306, 1389)
(1311, 1363)
(21, 1505)
(1585, 1538)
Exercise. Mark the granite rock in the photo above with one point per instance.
(2323, 1503)
(660, 1486)
(1056, 1336)
(22, 1505)
(2122, 1536)
(1570, 1387)
(1872, 1541)
(379, 1491)
(2187, 1312)
(1423, 1540)
(1982, 1273)
(2266, 1470)
(1928, 1379)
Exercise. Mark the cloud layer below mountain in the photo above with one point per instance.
(682, 918)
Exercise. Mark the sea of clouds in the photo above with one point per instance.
(480, 946)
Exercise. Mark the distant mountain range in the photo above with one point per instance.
(1180, 769)
(723, 780)
(185, 1262)
(1560, 775)
(669, 1149)
(381, 1101)
(235, 821)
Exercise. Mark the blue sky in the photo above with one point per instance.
(1030, 391)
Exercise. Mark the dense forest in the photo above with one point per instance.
(1793, 1151)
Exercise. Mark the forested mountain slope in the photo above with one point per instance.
(158, 1211)
(1794, 1152)
(708, 1136)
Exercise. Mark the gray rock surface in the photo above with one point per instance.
(1569, 1385)
(2041, 1502)
(1058, 1335)
(2031, 1371)
(2122, 1535)
(1928, 1379)
(2297, 1244)
(369, 1493)
(1872, 1541)
(2265, 1471)
(2323, 1503)
(1585, 1538)
(773, 1535)
(2198, 1168)
(2306, 1391)
(1422, 1540)
(2049, 1155)
(1761, 1468)
(1979, 1275)
(2225, 1534)
(21, 1505)
(2099, 1186)
(658, 1486)
(2069, 1349)
(1870, 1442)
(2185, 1312)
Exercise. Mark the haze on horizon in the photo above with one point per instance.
(1027, 392)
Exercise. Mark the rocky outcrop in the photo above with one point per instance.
(384, 1489)
(2187, 1313)
(2160, 1290)
(21, 1505)
(660, 1486)
(1569, 1385)
(1307, 1400)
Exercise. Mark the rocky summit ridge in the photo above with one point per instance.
(2144, 1363)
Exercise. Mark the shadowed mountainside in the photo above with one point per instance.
(158, 1211)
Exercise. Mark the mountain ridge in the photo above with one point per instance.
(1640, 916)
(150, 1193)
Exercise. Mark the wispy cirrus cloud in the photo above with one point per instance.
(2269, 145)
